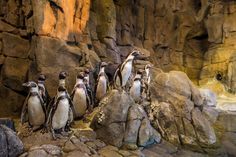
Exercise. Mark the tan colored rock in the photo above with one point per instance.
(11, 102)
(15, 46)
(4, 27)
(14, 72)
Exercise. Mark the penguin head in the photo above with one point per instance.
(103, 64)
(63, 75)
(41, 77)
(148, 66)
(80, 75)
(140, 72)
(61, 89)
(30, 84)
(87, 71)
(135, 53)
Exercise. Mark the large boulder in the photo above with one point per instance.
(11, 145)
(121, 122)
(176, 111)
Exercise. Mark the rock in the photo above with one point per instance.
(11, 145)
(127, 126)
(177, 116)
(8, 122)
(109, 151)
(15, 46)
(147, 135)
(211, 114)
(10, 107)
(105, 124)
(37, 153)
(14, 77)
(77, 153)
(227, 120)
(209, 97)
(4, 27)
(203, 128)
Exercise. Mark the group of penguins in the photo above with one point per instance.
(57, 114)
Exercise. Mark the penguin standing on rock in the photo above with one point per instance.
(87, 85)
(42, 89)
(59, 116)
(80, 97)
(136, 88)
(124, 71)
(147, 79)
(34, 107)
(102, 82)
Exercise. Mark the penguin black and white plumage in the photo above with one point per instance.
(136, 87)
(59, 116)
(88, 86)
(102, 82)
(62, 82)
(42, 89)
(80, 97)
(147, 80)
(34, 107)
(124, 71)
(147, 73)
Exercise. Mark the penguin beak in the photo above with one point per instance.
(27, 84)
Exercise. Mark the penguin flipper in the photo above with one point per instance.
(24, 109)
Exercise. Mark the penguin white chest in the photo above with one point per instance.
(80, 102)
(135, 90)
(35, 111)
(126, 72)
(101, 88)
(61, 114)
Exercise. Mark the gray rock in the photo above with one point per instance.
(209, 97)
(11, 145)
(203, 128)
(109, 123)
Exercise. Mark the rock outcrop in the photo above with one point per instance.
(196, 37)
(11, 145)
(121, 122)
(176, 111)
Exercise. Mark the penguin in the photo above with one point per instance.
(79, 97)
(124, 71)
(136, 87)
(147, 80)
(102, 82)
(88, 86)
(147, 73)
(62, 82)
(62, 78)
(42, 89)
(34, 107)
(59, 116)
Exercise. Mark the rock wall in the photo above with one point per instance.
(47, 36)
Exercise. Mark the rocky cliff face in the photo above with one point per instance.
(48, 36)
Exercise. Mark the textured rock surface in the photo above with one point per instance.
(196, 37)
(176, 111)
(121, 122)
(10, 145)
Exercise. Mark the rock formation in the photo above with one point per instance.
(36, 37)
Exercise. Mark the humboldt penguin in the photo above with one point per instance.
(136, 87)
(62, 82)
(102, 82)
(59, 116)
(124, 71)
(147, 80)
(34, 107)
(147, 72)
(88, 86)
(42, 89)
(80, 97)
